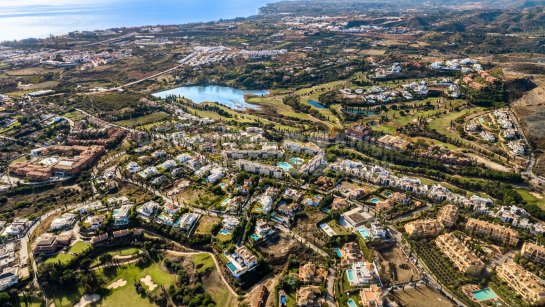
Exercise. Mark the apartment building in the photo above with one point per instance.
(448, 215)
(533, 252)
(493, 231)
(259, 168)
(424, 228)
(459, 254)
(525, 283)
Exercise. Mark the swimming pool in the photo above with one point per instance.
(351, 303)
(222, 185)
(283, 300)
(484, 294)
(255, 237)
(363, 232)
(224, 232)
(232, 267)
(350, 274)
(374, 200)
(226, 201)
(387, 194)
(297, 161)
(338, 252)
(285, 166)
(315, 104)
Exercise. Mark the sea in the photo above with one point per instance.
(20, 19)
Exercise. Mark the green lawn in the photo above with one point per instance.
(65, 258)
(340, 230)
(79, 247)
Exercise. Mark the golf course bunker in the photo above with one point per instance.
(87, 299)
(116, 284)
(149, 282)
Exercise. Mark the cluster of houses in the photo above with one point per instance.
(379, 95)
(204, 55)
(9, 265)
(380, 176)
(87, 59)
(466, 65)
(508, 132)
(483, 80)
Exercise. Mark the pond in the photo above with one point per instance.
(227, 96)
(315, 104)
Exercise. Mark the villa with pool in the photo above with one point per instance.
(241, 261)
(361, 274)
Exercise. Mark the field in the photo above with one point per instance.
(212, 282)
(421, 297)
(205, 224)
(143, 120)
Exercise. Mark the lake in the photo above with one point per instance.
(38, 18)
(227, 96)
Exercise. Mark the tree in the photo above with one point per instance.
(105, 258)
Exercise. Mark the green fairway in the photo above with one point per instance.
(532, 198)
(126, 295)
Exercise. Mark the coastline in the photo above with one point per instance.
(61, 22)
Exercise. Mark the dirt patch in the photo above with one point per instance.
(279, 248)
(149, 282)
(401, 270)
(421, 297)
(116, 284)
(87, 299)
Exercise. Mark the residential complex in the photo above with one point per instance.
(525, 283)
(459, 254)
(493, 231)
(424, 228)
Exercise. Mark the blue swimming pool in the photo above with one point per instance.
(255, 237)
(484, 294)
(363, 232)
(226, 201)
(285, 166)
(374, 200)
(387, 194)
(351, 303)
(315, 104)
(232, 267)
(283, 300)
(350, 274)
(224, 232)
(338, 252)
